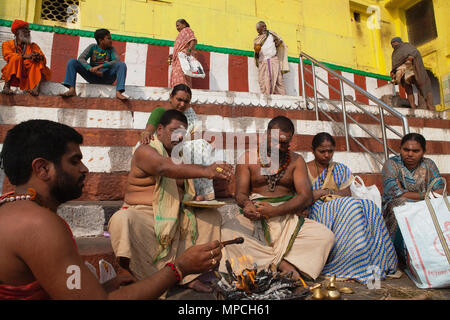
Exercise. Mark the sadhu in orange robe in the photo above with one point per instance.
(23, 73)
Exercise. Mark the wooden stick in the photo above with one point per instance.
(234, 241)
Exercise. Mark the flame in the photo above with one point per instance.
(246, 278)
(251, 275)
(244, 262)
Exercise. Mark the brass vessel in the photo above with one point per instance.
(318, 294)
(332, 290)
(346, 290)
(333, 293)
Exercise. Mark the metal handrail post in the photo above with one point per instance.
(382, 106)
(383, 133)
(359, 89)
(344, 115)
(302, 73)
(315, 89)
(405, 126)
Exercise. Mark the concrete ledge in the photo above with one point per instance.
(84, 220)
(231, 98)
(162, 94)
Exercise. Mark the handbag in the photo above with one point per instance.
(425, 227)
(191, 66)
(359, 190)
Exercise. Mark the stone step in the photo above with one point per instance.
(91, 218)
(255, 106)
(111, 128)
(111, 186)
(88, 218)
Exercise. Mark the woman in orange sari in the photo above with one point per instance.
(185, 42)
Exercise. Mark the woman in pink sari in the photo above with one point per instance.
(185, 43)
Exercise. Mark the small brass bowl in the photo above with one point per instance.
(346, 290)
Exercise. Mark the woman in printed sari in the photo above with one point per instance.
(185, 42)
(195, 151)
(406, 178)
(363, 247)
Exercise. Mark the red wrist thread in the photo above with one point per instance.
(175, 270)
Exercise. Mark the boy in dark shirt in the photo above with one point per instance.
(104, 66)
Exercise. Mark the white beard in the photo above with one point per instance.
(21, 38)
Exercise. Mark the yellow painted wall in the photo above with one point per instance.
(324, 29)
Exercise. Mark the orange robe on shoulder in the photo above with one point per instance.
(24, 73)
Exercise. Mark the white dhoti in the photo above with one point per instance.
(307, 249)
(133, 237)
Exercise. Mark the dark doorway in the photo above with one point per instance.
(420, 23)
(435, 88)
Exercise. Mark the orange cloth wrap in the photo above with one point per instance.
(24, 73)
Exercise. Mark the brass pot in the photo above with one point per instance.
(333, 293)
(318, 294)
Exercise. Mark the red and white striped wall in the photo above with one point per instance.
(147, 66)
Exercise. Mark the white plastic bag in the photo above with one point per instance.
(425, 227)
(191, 66)
(107, 271)
(359, 190)
(91, 268)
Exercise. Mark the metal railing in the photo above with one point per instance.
(382, 107)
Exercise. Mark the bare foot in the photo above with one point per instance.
(34, 92)
(120, 96)
(199, 286)
(286, 267)
(7, 90)
(69, 93)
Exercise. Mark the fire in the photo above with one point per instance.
(243, 262)
(247, 282)
(246, 279)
